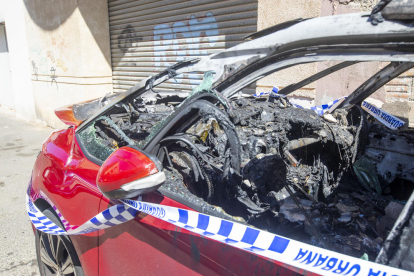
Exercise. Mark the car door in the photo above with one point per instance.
(147, 245)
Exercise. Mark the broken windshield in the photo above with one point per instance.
(204, 86)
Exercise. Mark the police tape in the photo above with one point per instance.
(388, 120)
(291, 252)
(112, 216)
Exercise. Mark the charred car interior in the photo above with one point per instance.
(337, 180)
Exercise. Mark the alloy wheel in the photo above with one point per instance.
(54, 256)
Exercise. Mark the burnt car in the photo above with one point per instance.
(324, 179)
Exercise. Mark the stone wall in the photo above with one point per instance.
(399, 96)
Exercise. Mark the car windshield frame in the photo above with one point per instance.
(349, 37)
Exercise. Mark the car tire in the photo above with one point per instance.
(56, 254)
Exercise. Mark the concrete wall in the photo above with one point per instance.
(6, 91)
(59, 54)
(15, 23)
(69, 53)
(3, 9)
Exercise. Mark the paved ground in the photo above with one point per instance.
(20, 142)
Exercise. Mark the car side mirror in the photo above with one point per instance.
(129, 172)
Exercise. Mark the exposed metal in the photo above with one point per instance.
(399, 10)
(391, 71)
(274, 28)
(398, 246)
(392, 153)
(376, 16)
(301, 142)
(148, 36)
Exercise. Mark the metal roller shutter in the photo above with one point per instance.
(147, 36)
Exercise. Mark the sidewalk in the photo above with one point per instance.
(20, 143)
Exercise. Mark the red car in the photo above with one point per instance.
(193, 152)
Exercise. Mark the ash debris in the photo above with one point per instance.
(317, 151)
(313, 155)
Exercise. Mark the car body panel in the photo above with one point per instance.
(164, 248)
(87, 248)
(67, 177)
(66, 115)
(66, 180)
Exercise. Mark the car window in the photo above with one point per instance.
(132, 122)
(127, 123)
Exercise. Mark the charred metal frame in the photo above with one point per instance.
(391, 71)
(295, 86)
(318, 39)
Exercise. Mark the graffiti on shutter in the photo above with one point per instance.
(127, 37)
(194, 32)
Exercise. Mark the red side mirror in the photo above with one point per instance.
(128, 172)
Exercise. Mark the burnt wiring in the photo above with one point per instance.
(308, 219)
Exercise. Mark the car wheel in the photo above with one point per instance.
(56, 255)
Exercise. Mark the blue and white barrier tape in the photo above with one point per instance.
(272, 93)
(388, 120)
(320, 109)
(247, 238)
(112, 216)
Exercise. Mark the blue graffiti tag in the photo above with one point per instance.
(183, 39)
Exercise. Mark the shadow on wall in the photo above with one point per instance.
(50, 14)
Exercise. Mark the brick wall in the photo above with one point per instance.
(401, 89)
